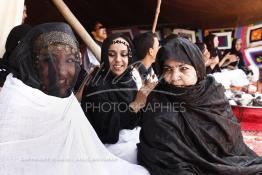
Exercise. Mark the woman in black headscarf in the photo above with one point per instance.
(236, 50)
(211, 42)
(109, 87)
(191, 129)
(109, 97)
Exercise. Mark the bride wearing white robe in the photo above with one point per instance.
(49, 135)
(46, 135)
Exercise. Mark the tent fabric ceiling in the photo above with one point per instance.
(199, 14)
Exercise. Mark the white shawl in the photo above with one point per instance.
(47, 135)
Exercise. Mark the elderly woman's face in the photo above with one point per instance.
(118, 56)
(179, 74)
(57, 69)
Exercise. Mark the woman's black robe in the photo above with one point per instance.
(203, 137)
(199, 134)
(106, 105)
(106, 98)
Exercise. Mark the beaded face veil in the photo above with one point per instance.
(55, 60)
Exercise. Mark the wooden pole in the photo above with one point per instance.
(76, 25)
(156, 16)
(80, 91)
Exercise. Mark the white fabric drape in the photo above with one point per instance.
(126, 148)
(11, 14)
(227, 78)
(46, 135)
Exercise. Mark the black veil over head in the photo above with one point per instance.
(182, 50)
(14, 38)
(48, 59)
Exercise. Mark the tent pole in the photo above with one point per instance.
(156, 16)
(76, 25)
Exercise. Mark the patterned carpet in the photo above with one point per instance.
(254, 140)
(250, 120)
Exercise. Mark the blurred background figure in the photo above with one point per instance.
(99, 34)
(14, 38)
(146, 47)
(89, 61)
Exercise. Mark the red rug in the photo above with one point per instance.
(250, 120)
(254, 140)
